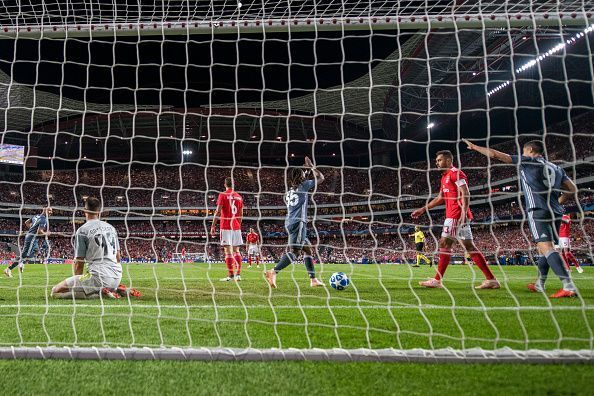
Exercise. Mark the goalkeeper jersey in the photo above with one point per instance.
(97, 241)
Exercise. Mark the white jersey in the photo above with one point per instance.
(97, 241)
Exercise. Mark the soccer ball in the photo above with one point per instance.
(339, 281)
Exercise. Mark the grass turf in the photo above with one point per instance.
(187, 306)
(290, 378)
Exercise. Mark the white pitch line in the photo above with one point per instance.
(318, 307)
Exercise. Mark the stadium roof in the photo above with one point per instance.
(28, 108)
(413, 78)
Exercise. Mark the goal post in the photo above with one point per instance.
(150, 109)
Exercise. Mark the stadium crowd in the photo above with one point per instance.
(385, 239)
(194, 185)
(348, 232)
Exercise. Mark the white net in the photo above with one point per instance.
(149, 108)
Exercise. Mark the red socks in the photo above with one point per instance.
(250, 261)
(237, 258)
(570, 259)
(229, 262)
(480, 262)
(478, 258)
(566, 261)
(444, 260)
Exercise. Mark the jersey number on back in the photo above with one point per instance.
(549, 176)
(233, 207)
(291, 198)
(106, 242)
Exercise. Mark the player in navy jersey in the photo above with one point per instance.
(546, 188)
(38, 227)
(297, 199)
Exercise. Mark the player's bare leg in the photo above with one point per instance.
(479, 260)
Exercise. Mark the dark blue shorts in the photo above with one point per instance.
(297, 235)
(544, 225)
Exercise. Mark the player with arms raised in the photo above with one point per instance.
(542, 183)
(565, 243)
(96, 244)
(230, 210)
(253, 247)
(297, 199)
(38, 227)
(456, 196)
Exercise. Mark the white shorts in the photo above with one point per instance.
(564, 243)
(231, 238)
(253, 250)
(90, 284)
(451, 230)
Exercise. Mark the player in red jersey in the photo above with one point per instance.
(230, 210)
(456, 196)
(253, 247)
(565, 244)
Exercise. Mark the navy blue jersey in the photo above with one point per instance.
(297, 200)
(541, 182)
(37, 222)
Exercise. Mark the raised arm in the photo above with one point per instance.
(488, 152)
(569, 190)
(317, 174)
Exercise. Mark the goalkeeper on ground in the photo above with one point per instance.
(97, 244)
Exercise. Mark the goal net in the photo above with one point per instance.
(150, 107)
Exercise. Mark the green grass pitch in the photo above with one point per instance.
(187, 306)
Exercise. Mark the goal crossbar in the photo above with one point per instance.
(135, 28)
